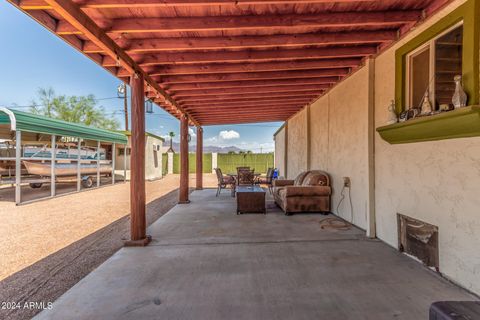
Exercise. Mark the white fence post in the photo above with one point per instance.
(214, 161)
(170, 163)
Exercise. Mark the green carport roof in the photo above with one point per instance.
(24, 121)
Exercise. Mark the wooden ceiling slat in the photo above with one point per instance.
(242, 42)
(249, 90)
(312, 93)
(116, 4)
(272, 75)
(253, 67)
(248, 56)
(260, 100)
(253, 22)
(254, 83)
(247, 105)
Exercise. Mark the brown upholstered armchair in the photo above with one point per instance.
(309, 192)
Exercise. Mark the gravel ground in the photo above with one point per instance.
(46, 247)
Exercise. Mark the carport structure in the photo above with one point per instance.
(224, 62)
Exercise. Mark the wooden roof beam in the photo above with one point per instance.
(114, 4)
(73, 15)
(253, 22)
(244, 76)
(217, 68)
(248, 56)
(252, 83)
(260, 101)
(247, 105)
(241, 42)
(311, 93)
(251, 90)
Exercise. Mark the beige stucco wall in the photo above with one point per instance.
(436, 182)
(297, 144)
(153, 160)
(339, 144)
(280, 151)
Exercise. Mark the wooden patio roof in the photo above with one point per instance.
(224, 61)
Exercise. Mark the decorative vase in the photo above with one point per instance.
(426, 105)
(459, 98)
(392, 115)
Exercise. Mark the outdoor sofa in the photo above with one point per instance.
(309, 192)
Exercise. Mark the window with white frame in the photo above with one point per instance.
(432, 67)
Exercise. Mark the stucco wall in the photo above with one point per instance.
(153, 160)
(339, 144)
(436, 182)
(297, 144)
(280, 151)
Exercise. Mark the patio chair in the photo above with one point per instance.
(267, 179)
(223, 181)
(245, 177)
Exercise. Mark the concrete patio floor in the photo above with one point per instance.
(205, 262)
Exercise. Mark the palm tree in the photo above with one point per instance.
(171, 134)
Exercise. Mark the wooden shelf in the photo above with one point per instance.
(460, 123)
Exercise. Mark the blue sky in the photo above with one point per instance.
(32, 57)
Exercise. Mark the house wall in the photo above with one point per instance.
(436, 182)
(339, 144)
(297, 144)
(153, 160)
(280, 151)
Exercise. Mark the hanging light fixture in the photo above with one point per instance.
(148, 106)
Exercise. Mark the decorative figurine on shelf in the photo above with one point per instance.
(392, 114)
(459, 98)
(426, 108)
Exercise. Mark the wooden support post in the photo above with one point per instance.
(138, 224)
(183, 198)
(18, 167)
(53, 150)
(199, 157)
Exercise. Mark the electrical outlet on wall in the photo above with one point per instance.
(346, 182)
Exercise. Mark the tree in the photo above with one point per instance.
(77, 109)
(171, 134)
(231, 152)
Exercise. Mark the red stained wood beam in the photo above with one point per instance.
(312, 93)
(253, 67)
(242, 42)
(253, 83)
(240, 121)
(114, 4)
(229, 101)
(248, 56)
(245, 103)
(249, 90)
(254, 22)
(244, 76)
(251, 106)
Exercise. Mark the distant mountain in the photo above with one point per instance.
(206, 149)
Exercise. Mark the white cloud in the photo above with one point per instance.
(192, 133)
(228, 134)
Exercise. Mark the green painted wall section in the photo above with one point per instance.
(258, 161)
(192, 157)
(164, 164)
(470, 14)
